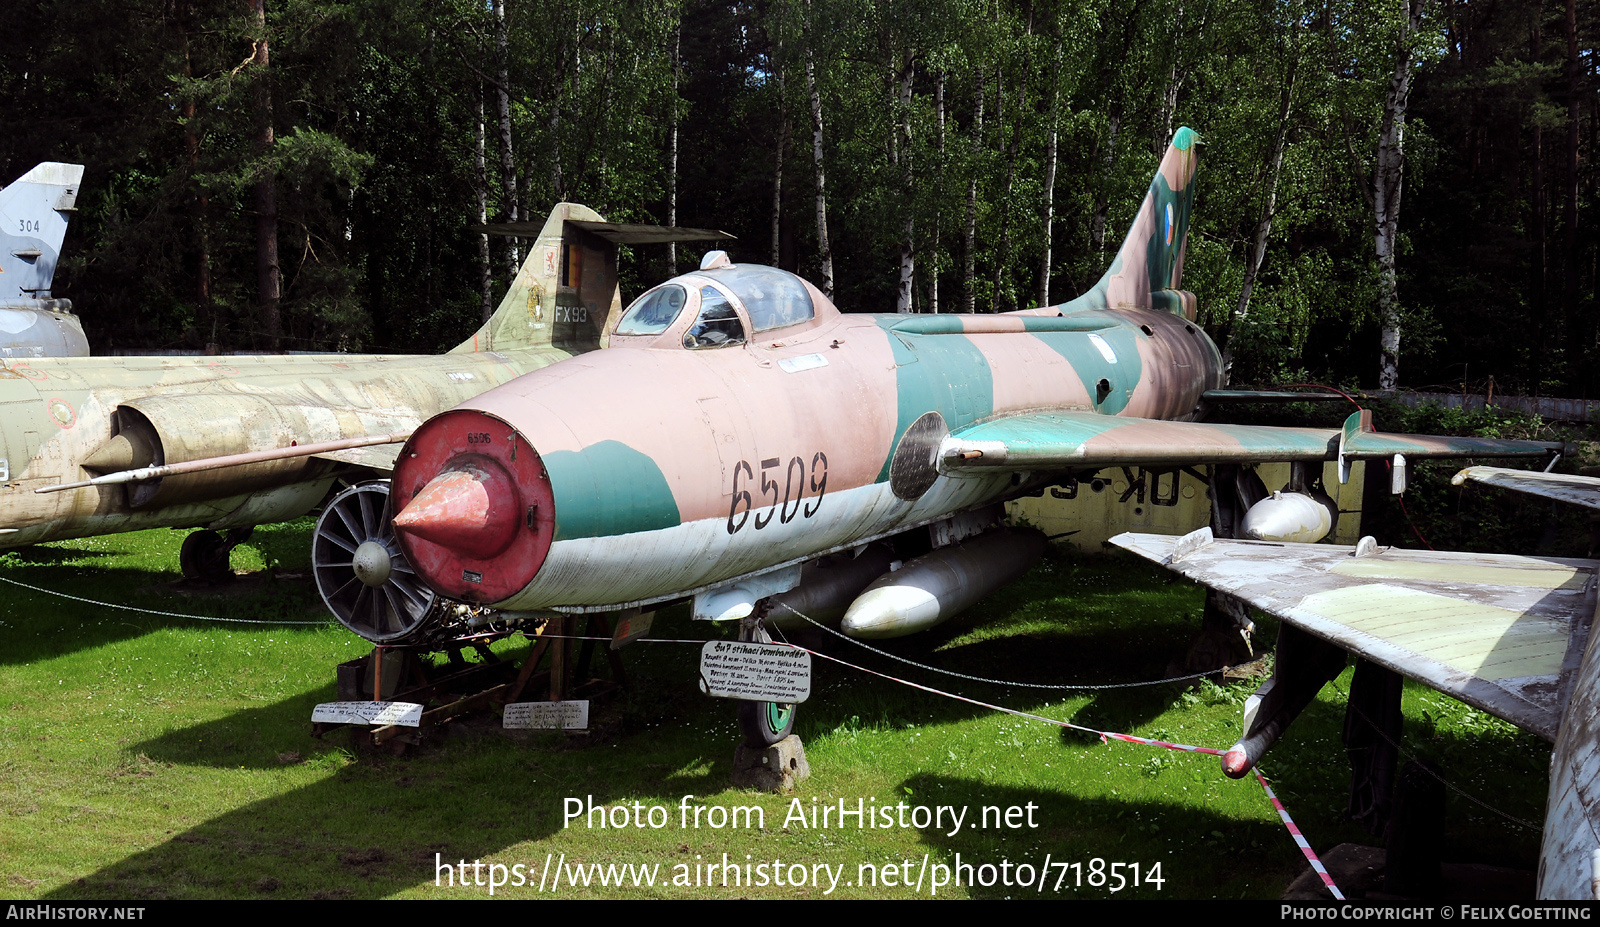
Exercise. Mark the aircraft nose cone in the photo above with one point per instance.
(1236, 763)
(470, 511)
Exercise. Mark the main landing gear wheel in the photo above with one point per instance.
(763, 723)
(203, 558)
(363, 577)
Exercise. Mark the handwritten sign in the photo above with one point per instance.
(547, 716)
(756, 672)
(404, 714)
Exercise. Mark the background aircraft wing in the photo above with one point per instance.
(1069, 440)
(1579, 490)
(378, 458)
(1502, 633)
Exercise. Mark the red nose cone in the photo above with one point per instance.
(471, 511)
(1236, 763)
(476, 507)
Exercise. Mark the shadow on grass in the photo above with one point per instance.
(378, 827)
(1074, 832)
(124, 605)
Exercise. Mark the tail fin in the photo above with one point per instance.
(33, 222)
(563, 295)
(1148, 268)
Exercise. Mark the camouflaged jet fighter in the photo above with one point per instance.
(33, 222)
(745, 444)
(94, 446)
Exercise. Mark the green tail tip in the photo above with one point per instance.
(1184, 137)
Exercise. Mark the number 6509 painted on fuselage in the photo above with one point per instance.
(818, 477)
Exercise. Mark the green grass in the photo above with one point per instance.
(158, 757)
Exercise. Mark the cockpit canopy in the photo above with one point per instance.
(654, 312)
(771, 299)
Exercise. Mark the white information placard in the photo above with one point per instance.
(757, 672)
(803, 362)
(547, 716)
(404, 714)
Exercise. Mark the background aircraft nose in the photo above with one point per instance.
(476, 507)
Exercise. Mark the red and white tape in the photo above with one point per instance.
(1299, 839)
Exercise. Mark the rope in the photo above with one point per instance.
(152, 611)
(1002, 682)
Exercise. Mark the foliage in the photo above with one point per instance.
(378, 108)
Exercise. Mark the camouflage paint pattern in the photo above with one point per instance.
(1054, 440)
(674, 470)
(1490, 629)
(55, 413)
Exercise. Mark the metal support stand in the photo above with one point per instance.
(458, 686)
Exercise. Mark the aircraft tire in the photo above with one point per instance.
(203, 558)
(764, 723)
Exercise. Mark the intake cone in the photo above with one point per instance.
(471, 511)
(476, 507)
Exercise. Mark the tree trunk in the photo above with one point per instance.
(202, 205)
(825, 251)
(1538, 220)
(480, 182)
(933, 248)
(777, 157)
(672, 149)
(1387, 186)
(1005, 296)
(1169, 99)
(908, 243)
(508, 161)
(1570, 219)
(1050, 187)
(1258, 248)
(1102, 196)
(268, 279)
(969, 278)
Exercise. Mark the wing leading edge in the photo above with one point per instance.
(1067, 440)
(1502, 633)
(1563, 487)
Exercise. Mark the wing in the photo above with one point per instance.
(377, 458)
(1073, 440)
(1579, 490)
(1502, 633)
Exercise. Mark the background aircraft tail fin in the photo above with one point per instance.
(564, 293)
(1149, 266)
(33, 223)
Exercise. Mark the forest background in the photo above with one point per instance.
(1391, 192)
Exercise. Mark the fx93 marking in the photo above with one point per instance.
(798, 480)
